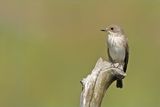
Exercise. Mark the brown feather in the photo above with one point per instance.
(126, 58)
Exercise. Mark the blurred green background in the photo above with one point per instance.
(48, 46)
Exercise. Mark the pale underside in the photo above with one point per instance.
(116, 45)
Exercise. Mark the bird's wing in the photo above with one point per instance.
(126, 57)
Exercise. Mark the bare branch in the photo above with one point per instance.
(96, 83)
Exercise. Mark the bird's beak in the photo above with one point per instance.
(104, 30)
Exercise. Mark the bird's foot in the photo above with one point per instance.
(113, 66)
(118, 65)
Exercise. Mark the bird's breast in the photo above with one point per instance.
(116, 48)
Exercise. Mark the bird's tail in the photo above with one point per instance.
(119, 84)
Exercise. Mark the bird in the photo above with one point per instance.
(118, 49)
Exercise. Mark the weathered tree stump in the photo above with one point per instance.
(95, 84)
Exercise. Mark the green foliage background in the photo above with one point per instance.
(48, 46)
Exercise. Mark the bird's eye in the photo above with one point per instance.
(112, 28)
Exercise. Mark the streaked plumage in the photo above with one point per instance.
(117, 48)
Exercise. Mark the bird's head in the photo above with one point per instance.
(113, 29)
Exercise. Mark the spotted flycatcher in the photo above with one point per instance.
(118, 51)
